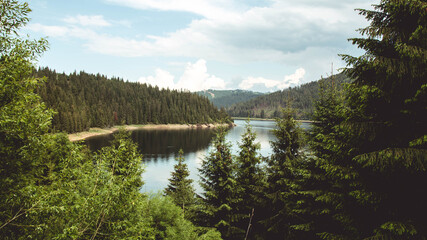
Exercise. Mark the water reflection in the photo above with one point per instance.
(160, 148)
(161, 144)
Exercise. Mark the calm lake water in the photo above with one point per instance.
(160, 148)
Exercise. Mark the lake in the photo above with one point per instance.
(160, 148)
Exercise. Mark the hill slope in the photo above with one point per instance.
(268, 106)
(85, 100)
(226, 98)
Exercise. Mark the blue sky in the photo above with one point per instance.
(265, 45)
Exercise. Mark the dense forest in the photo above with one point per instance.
(359, 173)
(302, 99)
(51, 188)
(226, 98)
(84, 100)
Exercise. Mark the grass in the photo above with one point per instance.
(96, 130)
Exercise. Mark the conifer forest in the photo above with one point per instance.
(360, 171)
(84, 100)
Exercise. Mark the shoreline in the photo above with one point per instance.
(270, 119)
(74, 137)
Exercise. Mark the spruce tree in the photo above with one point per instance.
(52, 188)
(379, 154)
(250, 183)
(219, 184)
(328, 172)
(180, 187)
(281, 174)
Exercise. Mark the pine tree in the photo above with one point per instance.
(328, 173)
(180, 187)
(52, 188)
(85, 100)
(219, 185)
(250, 183)
(379, 159)
(281, 173)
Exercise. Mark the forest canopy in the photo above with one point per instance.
(359, 173)
(84, 100)
(51, 188)
(302, 98)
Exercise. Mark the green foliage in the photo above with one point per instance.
(362, 178)
(282, 172)
(226, 98)
(71, 194)
(369, 146)
(389, 82)
(180, 187)
(269, 105)
(250, 181)
(13, 16)
(219, 185)
(52, 188)
(23, 118)
(328, 174)
(85, 100)
(169, 222)
(78, 195)
(97, 195)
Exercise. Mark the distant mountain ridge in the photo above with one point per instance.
(269, 105)
(226, 98)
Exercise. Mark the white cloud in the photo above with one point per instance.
(306, 33)
(162, 79)
(290, 80)
(194, 78)
(62, 31)
(83, 20)
(52, 31)
(242, 34)
(251, 81)
(281, 27)
(209, 9)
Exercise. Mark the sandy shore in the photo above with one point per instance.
(102, 131)
(268, 119)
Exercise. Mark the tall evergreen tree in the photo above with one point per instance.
(250, 183)
(180, 187)
(219, 185)
(51, 188)
(270, 104)
(375, 158)
(328, 173)
(286, 156)
(386, 106)
(85, 100)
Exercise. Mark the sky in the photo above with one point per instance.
(257, 45)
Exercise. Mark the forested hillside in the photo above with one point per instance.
(302, 98)
(359, 173)
(51, 188)
(85, 100)
(362, 172)
(226, 98)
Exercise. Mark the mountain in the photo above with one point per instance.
(226, 98)
(268, 106)
(84, 100)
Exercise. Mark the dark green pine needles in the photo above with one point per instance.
(180, 187)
